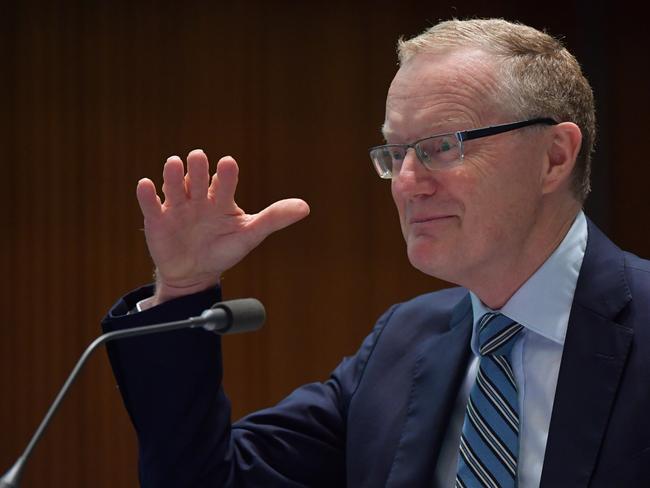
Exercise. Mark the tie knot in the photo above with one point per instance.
(496, 334)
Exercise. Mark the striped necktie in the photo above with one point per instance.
(489, 444)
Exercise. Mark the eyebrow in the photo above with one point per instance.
(385, 129)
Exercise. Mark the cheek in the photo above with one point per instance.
(484, 198)
(460, 188)
(500, 209)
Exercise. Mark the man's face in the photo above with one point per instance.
(466, 223)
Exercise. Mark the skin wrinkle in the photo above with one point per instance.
(504, 215)
(453, 122)
(458, 114)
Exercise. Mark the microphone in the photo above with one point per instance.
(229, 317)
(234, 316)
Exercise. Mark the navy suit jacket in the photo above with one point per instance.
(380, 419)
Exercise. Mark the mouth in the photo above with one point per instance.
(428, 219)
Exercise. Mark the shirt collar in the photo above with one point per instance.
(543, 303)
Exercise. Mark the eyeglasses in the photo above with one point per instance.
(441, 151)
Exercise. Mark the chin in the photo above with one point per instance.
(426, 258)
(436, 258)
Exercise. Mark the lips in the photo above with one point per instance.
(423, 219)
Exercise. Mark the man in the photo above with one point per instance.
(538, 376)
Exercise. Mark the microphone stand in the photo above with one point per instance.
(217, 319)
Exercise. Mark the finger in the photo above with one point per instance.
(198, 175)
(278, 216)
(224, 183)
(148, 199)
(173, 181)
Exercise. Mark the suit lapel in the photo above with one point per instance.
(437, 376)
(595, 352)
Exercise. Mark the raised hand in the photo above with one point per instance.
(199, 231)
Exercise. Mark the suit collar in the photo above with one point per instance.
(595, 352)
(437, 375)
(602, 285)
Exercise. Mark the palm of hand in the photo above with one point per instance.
(193, 243)
(199, 231)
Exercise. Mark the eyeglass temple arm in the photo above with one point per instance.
(498, 129)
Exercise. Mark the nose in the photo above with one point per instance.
(414, 179)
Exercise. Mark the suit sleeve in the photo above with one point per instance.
(171, 387)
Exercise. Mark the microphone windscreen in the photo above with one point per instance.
(245, 314)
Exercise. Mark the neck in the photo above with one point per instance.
(547, 234)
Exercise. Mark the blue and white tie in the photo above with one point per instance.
(489, 444)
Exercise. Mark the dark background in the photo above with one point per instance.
(95, 95)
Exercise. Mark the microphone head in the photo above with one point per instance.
(244, 315)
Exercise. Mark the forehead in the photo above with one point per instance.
(440, 92)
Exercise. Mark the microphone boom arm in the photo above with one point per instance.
(218, 319)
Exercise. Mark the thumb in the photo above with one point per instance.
(277, 216)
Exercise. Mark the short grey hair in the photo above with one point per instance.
(539, 76)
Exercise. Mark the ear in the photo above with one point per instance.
(562, 151)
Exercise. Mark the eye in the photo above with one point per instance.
(445, 145)
(440, 150)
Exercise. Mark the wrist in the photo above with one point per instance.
(169, 291)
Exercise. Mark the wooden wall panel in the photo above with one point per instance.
(95, 95)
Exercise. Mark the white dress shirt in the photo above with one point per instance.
(542, 305)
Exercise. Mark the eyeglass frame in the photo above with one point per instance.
(461, 136)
